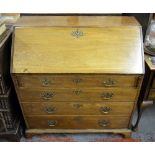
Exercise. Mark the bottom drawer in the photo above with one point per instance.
(77, 122)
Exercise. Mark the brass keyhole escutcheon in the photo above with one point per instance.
(77, 81)
(78, 119)
(46, 82)
(109, 83)
(77, 92)
(77, 33)
(77, 105)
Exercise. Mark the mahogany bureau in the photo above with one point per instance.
(77, 74)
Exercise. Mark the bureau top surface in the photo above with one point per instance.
(63, 21)
(82, 44)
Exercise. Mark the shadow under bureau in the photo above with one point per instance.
(77, 74)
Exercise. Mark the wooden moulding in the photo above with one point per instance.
(31, 132)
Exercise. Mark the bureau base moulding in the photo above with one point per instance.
(124, 132)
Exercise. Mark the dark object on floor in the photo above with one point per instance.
(13, 135)
(10, 126)
(5, 51)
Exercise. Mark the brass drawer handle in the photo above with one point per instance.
(50, 110)
(47, 95)
(52, 123)
(77, 92)
(103, 123)
(107, 96)
(46, 82)
(77, 81)
(109, 83)
(105, 110)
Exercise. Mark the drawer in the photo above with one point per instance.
(153, 83)
(77, 122)
(59, 81)
(78, 108)
(108, 94)
(151, 95)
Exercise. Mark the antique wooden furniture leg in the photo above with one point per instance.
(127, 134)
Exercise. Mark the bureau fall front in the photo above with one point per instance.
(77, 74)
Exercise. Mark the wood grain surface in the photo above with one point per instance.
(78, 108)
(77, 122)
(99, 50)
(72, 94)
(76, 80)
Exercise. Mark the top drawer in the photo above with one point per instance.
(78, 80)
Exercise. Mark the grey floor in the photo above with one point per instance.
(146, 129)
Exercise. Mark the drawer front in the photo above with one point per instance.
(151, 94)
(78, 108)
(55, 81)
(77, 122)
(108, 94)
(153, 83)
